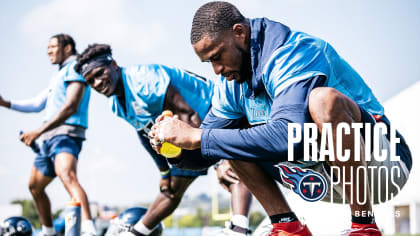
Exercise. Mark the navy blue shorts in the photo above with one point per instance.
(44, 161)
(187, 173)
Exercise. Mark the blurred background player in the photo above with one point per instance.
(139, 94)
(65, 102)
(274, 76)
(127, 219)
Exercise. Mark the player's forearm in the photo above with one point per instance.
(196, 139)
(263, 143)
(35, 104)
(59, 119)
(189, 140)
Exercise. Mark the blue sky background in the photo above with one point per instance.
(380, 39)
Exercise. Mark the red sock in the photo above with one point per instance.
(358, 226)
(287, 227)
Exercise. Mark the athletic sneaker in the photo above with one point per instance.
(234, 230)
(362, 230)
(297, 229)
(131, 232)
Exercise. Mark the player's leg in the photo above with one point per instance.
(327, 105)
(241, 199)
(67, 150)
(163, 205)
(267, 192)
(41, 175)
(65, 167)
(37, 184)
(262, 186)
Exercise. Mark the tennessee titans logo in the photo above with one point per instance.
(308, 184)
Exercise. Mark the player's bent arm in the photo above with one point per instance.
(35, 104)
(211, 121)
(74, 95)
(176, 103)
(268, 142)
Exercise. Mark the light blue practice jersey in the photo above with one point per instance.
(286, 66)
(145, 89)
(57, 95)
(301, 57)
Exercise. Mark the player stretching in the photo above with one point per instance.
(139, 94)
(65, 102)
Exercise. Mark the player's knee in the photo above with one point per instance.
(68, 177)
(179, 186)
(178, 196)
(178, 192)
(327, 105)
(35, 189)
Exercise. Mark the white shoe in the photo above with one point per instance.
(126, 233)
(234, 230)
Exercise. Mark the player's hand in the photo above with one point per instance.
(176, 132)
(3, 102)
(29, 137)
(154, 140)
(226, 175)
(165, 187)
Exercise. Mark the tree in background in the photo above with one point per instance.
(168, 221)
(255, 219)
(188, 221)
(57, 213)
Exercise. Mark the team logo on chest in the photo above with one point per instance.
(308, 184)
(258, 109)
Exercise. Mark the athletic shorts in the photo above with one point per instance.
(192, 160)
(386, 178)
(44, 161)
(187, 173)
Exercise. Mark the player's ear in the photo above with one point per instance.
(240, 32)
(67, 49)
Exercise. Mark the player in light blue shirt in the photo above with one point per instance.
(65, 102)
(274, 76)
(139, 94)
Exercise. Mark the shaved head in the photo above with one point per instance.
(214, 18)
